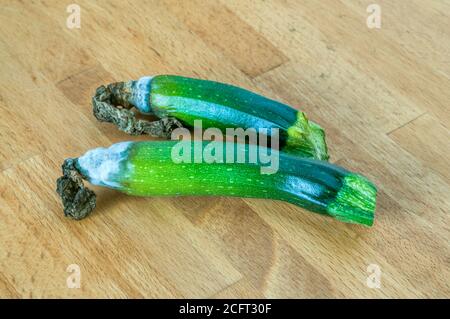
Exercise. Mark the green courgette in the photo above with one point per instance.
(179, 101)
(153, 169)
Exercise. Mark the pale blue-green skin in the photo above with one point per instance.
(140, 94)
(148, 169)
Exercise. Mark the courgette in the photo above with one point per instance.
(179, 101)
(151, 168)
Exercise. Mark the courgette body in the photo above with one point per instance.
(149, 169)
(225, 106)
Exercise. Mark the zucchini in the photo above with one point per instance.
(179, 101)
(151, 168)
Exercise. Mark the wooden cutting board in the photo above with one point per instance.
(382, 95)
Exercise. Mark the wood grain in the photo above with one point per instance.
(381, 94)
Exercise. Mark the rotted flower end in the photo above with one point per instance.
(78, 200)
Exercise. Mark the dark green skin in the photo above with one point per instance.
(217, 105)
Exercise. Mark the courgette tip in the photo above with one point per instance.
(355, 201)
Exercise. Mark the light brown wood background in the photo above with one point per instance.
(383, 96)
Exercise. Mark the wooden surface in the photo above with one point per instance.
(382, 95)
